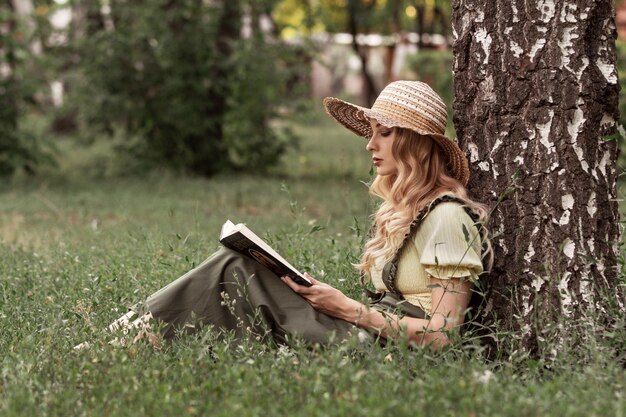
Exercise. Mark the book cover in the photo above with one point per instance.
(240, 238)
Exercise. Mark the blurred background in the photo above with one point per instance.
(106, 88)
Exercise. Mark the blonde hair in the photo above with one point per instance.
(422, 177)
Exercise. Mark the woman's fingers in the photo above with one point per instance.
(300, 289)
(313, 280)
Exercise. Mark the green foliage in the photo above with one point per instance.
(430, 16)
(19, 149)
(180, 78)
(620, 46)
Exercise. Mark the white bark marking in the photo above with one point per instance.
(591, 205)
(500, 232)
(480, 17)
(554, 166)
(585, 13)
(465, 22)
(519, 160)
(567, 46)
(530, 252)
(569, 248)
(567, 201)
(608, 70)
(515, 13)
(573, 128)
(473, 149)
(524, 144)
(567, 14)
(603, 162)
(502, 245)
(591, 244)
(607, 121)
(517, 50)
(544, 133)
(537, 283)
(496, 145)
(579, 154)
(547, 9)
(527, 308)
(484, 166)
(600, 266)
(566, 297)
(539, 44)
(484, 39)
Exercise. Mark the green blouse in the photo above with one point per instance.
(440, 249)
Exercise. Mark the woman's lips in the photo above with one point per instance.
(377, 161)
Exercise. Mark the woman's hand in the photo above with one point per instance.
(322, 297)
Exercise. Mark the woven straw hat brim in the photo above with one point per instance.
(356, 119)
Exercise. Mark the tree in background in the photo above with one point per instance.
(393, 18)
(536, 100)
(19, 47)
(196, 83)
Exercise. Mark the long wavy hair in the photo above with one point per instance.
(422, 177)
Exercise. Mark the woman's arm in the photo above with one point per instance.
(450, 299)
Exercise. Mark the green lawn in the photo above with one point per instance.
(77, 251)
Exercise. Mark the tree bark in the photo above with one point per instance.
(536, 96)
(395, 29)
(419, 24)
(369, 89)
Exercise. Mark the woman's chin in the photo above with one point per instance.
(383, 172)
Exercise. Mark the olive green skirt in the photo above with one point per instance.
(234, 293)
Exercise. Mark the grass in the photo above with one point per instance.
(77, 251)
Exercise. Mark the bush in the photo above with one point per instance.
(182, 78)
(19, 150)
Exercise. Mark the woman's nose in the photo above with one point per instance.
(370, 144)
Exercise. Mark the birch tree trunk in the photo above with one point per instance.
(536, 98)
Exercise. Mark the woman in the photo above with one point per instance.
(422, 258)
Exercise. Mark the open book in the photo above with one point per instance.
(243, 240)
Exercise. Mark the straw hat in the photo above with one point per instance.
(408, 104)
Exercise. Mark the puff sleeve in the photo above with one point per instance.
(451, 243)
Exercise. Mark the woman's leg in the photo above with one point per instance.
(233, 292)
